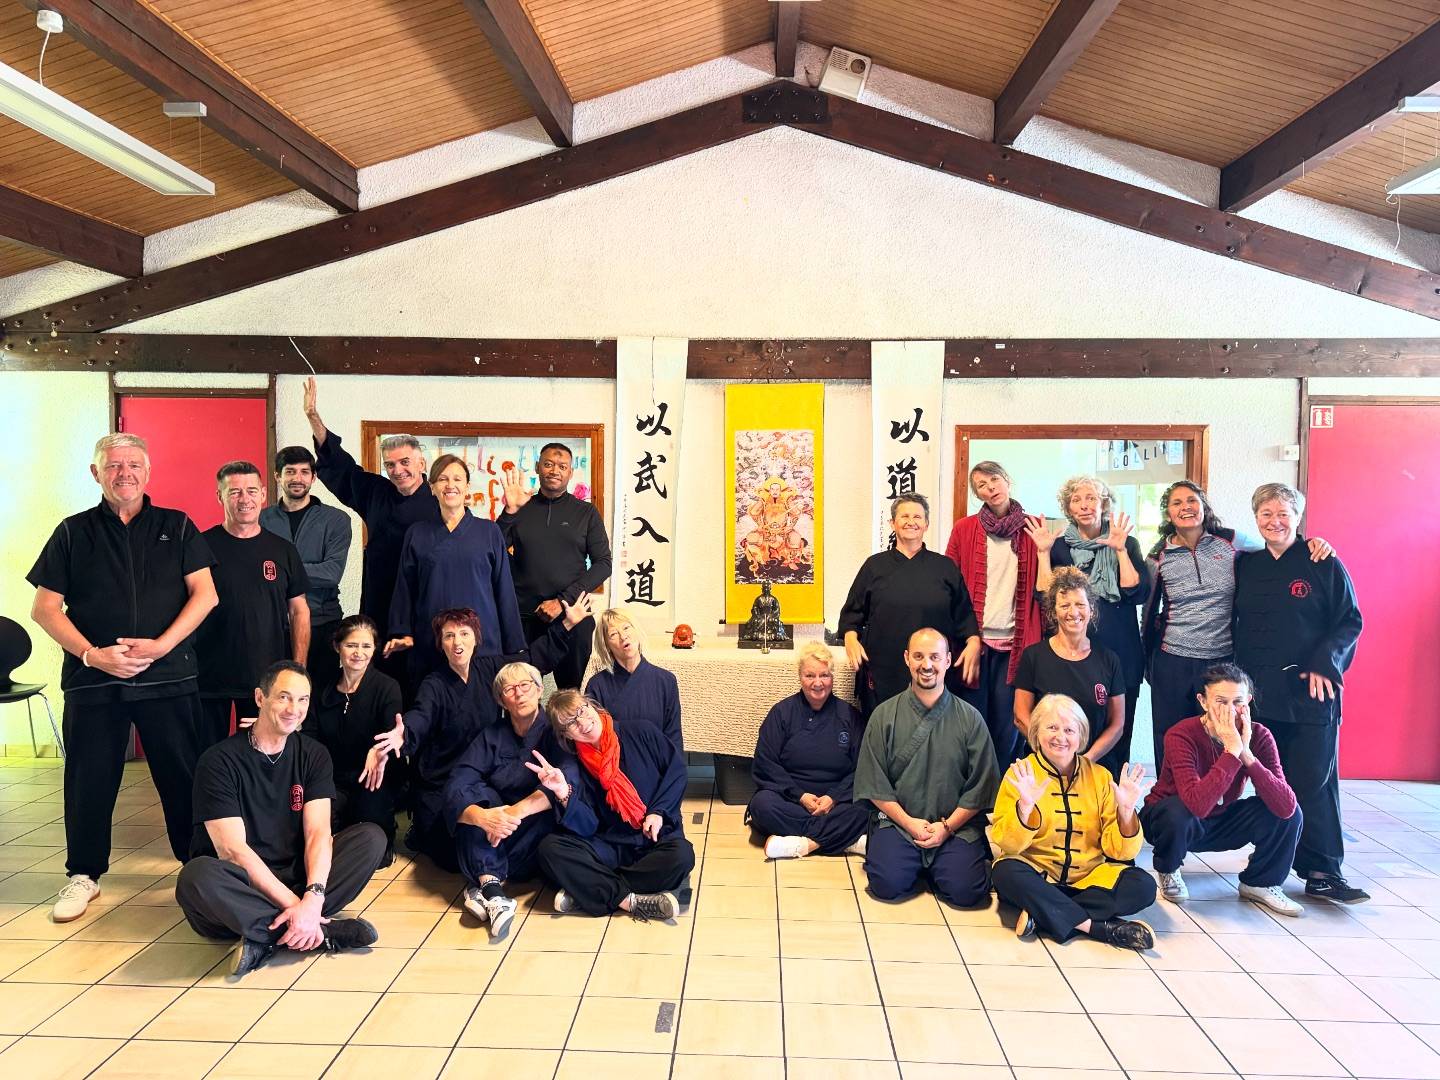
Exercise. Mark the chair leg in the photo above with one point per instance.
(54, 727)
(34, 749)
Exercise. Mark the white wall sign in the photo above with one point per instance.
(907, 379)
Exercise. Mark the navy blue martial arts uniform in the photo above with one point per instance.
(803, 751)
(464, 568)
(596, 856)
(491, 773)
(647, 693)
(449, 712)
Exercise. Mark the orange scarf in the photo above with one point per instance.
(602, 761)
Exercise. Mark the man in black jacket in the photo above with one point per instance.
(559, 551)
(121, 588)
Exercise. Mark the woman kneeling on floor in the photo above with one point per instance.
(805, 768)
(620, 846)
(1066, 833)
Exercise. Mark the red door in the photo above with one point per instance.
(1374, 479)
(189, 439)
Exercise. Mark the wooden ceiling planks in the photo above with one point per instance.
(375, 79)
(1357, 177)
(16, 258)
(600, 46)
(1208, 79)
(971, 45)
(42, 167)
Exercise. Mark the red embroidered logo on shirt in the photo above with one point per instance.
(268, 569)
(1299, 588)
(297, 797)
(1101, 694)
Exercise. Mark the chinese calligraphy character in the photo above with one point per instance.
(906, 430)
(901, 477)
(641, 584)
(646, 529)
(645, 475)
(655, 423)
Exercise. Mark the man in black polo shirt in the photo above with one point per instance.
(121, 588)
(263, 616)
(265, 868)
(388, 505)
(559, 551)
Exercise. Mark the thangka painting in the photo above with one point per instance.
(773, 518)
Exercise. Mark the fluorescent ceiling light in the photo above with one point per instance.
(25, 100)
(1426, 103)
(1421, 180)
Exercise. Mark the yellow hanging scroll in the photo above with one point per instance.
(774, 492)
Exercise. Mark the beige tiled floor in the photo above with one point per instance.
(785, 970)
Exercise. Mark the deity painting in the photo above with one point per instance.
(775, 507)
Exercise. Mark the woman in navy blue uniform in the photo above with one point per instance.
(805, 768)
(494, 801)
(455, 561)
(451, 708)
(631, 687)
(620, 846)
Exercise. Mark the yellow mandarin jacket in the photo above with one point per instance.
(1072, 837)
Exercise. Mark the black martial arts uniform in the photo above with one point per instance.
(648, 693)
(346, 725)
(1090, 682)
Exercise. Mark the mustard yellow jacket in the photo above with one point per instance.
(1072, 837)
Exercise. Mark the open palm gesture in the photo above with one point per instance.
(1029, 786)
(1120, 529)
(1130, 786)
(515, 494)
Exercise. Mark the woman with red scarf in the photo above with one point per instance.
(620, 846)
(995, 551)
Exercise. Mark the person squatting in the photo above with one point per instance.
(990, 751)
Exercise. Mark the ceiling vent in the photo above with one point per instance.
(845, 74)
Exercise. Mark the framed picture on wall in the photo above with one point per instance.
(490, 449)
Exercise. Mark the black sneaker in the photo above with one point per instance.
(1124, 933)
(1025, 928)
(251, 955)
(342, 934)
(661, 905)
(1336, 888)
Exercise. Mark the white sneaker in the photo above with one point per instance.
(858, 847)
(1172, 887)
(1272, 897)
(564, 903)
(74, 898)
(501, 910)
(786, 847)
(475, 903)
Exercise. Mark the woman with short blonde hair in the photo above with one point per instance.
(629, 686)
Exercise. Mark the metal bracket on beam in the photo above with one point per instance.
(787, 103)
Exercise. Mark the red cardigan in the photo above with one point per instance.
(966, 550)
(1207, 779)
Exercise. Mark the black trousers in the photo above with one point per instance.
(321, 660)
(1173, 831)
(1174, 682)
(895, 867)
(1310, 756)
(433, 839)
(994, 698)
(597, 888)
(219, 901)
(570, 671)
(215, 720)
(353, 804)
(95, 738)
(1059, 909)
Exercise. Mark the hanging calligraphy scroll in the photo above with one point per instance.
(907, 379)
(649, 405)
(775, 435)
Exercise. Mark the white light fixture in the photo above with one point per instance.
(1421, 180)
(26, 101)
(1425, 103)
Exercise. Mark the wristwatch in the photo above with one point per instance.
(315, 887)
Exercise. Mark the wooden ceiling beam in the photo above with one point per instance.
(518, 47)
(722, 359)
(1360, 108)
(787, 36)
(130, 36)
(70, 234)
(1065, 35)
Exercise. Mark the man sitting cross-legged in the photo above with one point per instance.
(264, 867)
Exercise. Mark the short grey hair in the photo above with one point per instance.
(1265, 492)
(514, 673)
(395, 442)
(604, 622)
(1047, 707)
(115, 441)
(817, 651)
(1074, 484)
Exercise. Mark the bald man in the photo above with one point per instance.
(927, 765)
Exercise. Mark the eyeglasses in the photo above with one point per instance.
(572, 723)
(514, 689)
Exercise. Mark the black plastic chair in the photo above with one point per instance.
(14, 651)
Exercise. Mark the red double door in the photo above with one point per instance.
(1373, 489)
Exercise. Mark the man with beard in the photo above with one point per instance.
(927, 764)
(322, 536)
